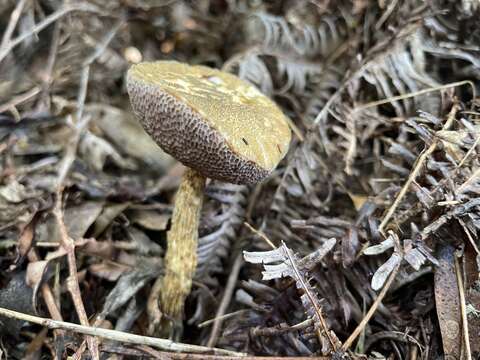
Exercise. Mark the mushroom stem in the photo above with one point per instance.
(182, 240)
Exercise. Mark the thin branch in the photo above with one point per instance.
(223, 317)
(161, 355)
(281, 328)
(52, 58)
(115, 335)
(72, 281)
(261, 234)
(67, 242)
(470, 151)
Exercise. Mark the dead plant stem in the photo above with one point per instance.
(115, 335)
(72, 281)
(261, 234)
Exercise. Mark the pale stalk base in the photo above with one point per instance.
(182, 239)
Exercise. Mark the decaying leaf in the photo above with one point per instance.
(78, 220)
(18, 296)
(150, 219)
(448, 303)
(108, 270)
(128, 285)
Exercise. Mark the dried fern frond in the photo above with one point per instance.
(224, 214)
(303, 39)
(282, 262)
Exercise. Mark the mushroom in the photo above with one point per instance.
(219, 127)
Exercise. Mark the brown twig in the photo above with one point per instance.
(281, 328)
(417, 93)
(52, 57)
(68, 243)
(115, 335)
(49, 298)
(72, 281)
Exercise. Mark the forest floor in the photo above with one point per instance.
(364, 241)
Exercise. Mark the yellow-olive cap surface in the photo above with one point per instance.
(209, 120)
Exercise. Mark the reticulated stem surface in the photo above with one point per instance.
(182, 240)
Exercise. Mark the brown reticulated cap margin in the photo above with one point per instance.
(198, 114)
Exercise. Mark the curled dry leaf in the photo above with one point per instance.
(34, 275)
(380, 248)
(383, 271)
(128, 285)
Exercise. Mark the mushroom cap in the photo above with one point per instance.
(209, 120)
